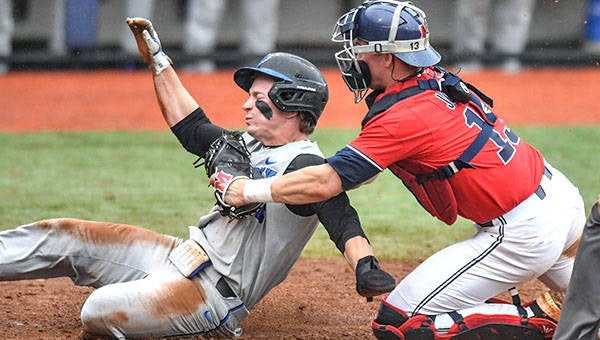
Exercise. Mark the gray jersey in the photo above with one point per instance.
(256, 253)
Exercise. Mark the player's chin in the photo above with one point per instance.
(252, 130)
(248, 122)
(252, 126)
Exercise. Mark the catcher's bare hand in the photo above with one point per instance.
(148, 44)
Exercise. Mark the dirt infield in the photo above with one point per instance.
(317, 300)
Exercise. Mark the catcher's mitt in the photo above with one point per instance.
(228, 159)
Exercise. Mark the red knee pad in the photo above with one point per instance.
(392, 323)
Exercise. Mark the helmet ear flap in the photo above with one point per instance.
(300, 97)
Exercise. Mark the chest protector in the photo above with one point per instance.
(433, 190)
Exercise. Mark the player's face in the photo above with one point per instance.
(264, 121)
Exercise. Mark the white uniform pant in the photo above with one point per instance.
(140, 293)
(526, 243)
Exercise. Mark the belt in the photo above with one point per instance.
(219, 281)
(224, 288)
(539, 192)
(228, 318)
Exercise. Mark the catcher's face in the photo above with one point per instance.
(378, 66)
(269, 125)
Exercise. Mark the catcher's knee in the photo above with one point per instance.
(392, 323)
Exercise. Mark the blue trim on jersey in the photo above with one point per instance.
(353, 167)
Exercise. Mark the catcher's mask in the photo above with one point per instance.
(299, 85)
(387, 26)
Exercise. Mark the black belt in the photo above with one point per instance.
(539, 192)
(224, 288)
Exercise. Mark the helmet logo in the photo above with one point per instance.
(306, 88)
(423, 31)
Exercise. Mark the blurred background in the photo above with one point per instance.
(88, 34)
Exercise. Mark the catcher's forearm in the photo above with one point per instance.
(307, 185)
(174, 100)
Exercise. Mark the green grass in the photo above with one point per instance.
(146, 179)
(139, 178)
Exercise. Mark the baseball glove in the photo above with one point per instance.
(228, 159)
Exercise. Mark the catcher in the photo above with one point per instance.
(439, 136)
(156, 285)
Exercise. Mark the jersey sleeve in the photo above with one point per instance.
(353, 167)
(336, 214)
(384, 140)
(196, 132)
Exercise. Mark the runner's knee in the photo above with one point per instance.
(97, 316)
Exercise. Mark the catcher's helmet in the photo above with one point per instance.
(387, 26)
(299, 85)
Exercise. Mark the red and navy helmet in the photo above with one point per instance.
(386, 26)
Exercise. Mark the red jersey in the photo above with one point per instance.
(427, 131)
